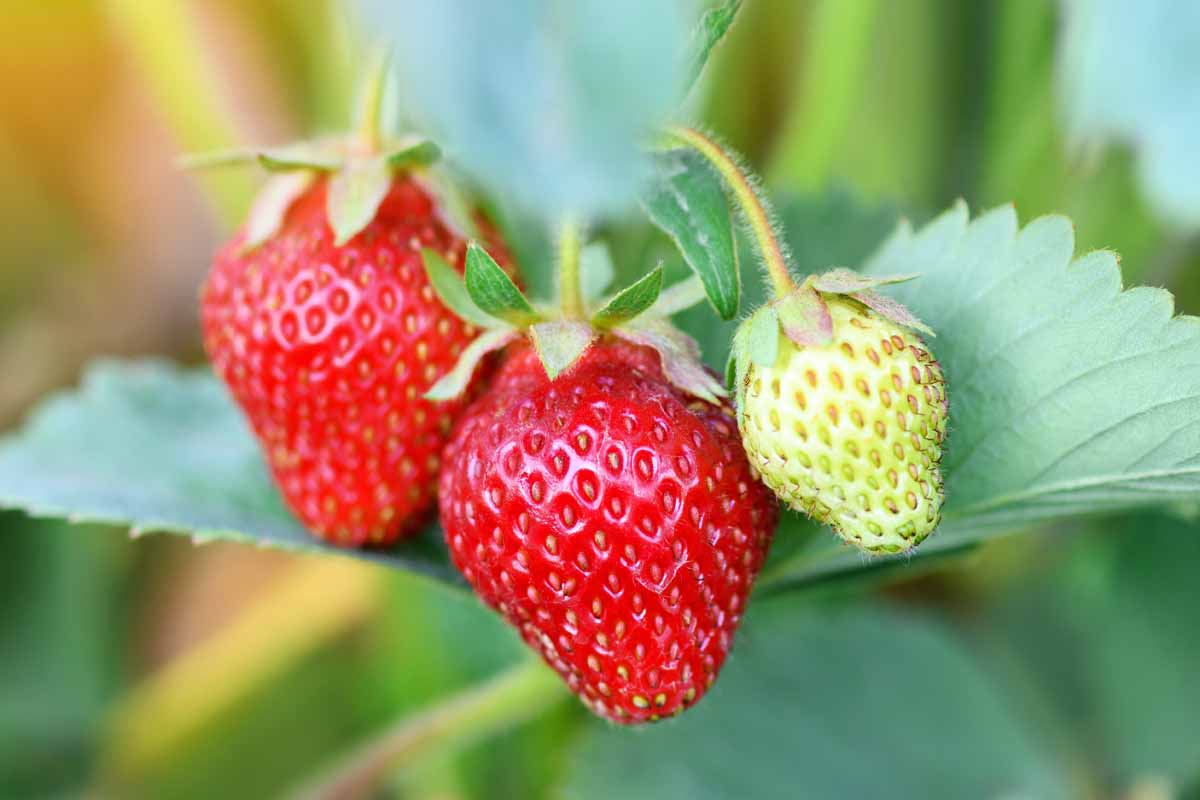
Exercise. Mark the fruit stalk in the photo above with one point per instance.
(570, 241)
(753, 206)
(513, 697)
(369, 124)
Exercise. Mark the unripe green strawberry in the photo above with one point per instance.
(850, 430)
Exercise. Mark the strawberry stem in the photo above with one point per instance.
(370, 110)
(517, 695)
(753, 205)
(570, 242)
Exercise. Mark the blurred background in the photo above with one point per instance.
(153, 668)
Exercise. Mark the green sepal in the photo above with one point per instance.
(493, 291)
(454, 206)
(354, 196)
(630, 302)
(678, 297)
(449, 286)
(455, 382)
(560, 343)
(680, 356)
(271, 205)
(596, 271)
(325, 155)
(893, 310)
(805, 317)
(417, 153)
(846, 281)
(762, 337)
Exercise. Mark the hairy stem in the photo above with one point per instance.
(570, 242)
(753, 206)
(513, 697)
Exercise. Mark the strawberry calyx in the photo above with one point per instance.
(487, 297)
(360, 167)
(803, 316)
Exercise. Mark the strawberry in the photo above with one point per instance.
(848, 427)
(612, 518)
(328, 349)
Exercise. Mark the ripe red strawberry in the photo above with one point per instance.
(328, 350)
(613, 519)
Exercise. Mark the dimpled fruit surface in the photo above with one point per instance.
(613, 520)
(851, 432)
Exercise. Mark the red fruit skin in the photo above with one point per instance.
(328, 351)
(614, 520)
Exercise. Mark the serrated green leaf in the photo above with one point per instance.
(762, 337)
(680, 357)
(453, 292)
(157, 448)
(713, 25)
(321, 156)
(687, 201)
(596, 271)
(560, 343)
(549, 114)
(493, 291)
(415, 154)
(804, 317)
(678, 297)
(455, 382)
(272, 204)
(1068, 395)
(631, 301)
(1148, 102)
(820, 703)
(354, 196)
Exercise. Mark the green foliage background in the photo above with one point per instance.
(1055, 664)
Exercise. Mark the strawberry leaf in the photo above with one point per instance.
(810, 691)
(454, 382)
(631, 301)
(713, 25)
(686, 200)
(1127, 75)
(678, 297)
(419, 153)
(560, 343)
(453, 292)
(272, 204)
(1068, 395)
(97, 454)
(354, 196)
(805, 317)
(493, 291)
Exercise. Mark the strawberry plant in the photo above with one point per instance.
(536, 334)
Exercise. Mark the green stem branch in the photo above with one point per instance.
(513, 697)
(753, 206)
(370, 116)
(570, 242)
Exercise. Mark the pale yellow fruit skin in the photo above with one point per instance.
(851, 432)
